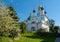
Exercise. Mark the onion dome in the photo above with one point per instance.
(40, 8)
(34, 11)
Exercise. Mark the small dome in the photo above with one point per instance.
(29, 18)
(34, 11)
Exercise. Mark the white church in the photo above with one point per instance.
(38, 21)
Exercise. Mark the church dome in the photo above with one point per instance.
(29, 17)
(40, 8)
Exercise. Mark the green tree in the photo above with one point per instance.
(22, 27)
(52, 24)
(56, 28)
(12, 13)
(8, 27)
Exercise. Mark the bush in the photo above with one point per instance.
(41, 30)
(54, 29)
(46, 34)
(13, 33)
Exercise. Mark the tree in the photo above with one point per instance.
(52, 24)
(12, 13)
(56, 28)
(8, 27)
(22, 27)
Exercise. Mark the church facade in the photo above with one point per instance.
(38, 21)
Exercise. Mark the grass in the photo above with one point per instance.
(31, 37)
(27, 37)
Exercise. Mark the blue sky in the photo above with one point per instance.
(24, 7)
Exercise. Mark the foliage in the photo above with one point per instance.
(12, 13)
(40, 30)
(46, 22)
(22, 27)
(46, 34)
(7, 24)
(56, 28)
(52, 24)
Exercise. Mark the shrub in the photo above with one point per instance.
(13, 33)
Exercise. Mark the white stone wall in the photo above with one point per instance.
(37, 26)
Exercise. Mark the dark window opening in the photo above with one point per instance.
(33, 22)
(33, 28)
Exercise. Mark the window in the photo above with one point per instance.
(33, 28)
(33, 22)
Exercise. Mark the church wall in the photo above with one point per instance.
(39, 21)
(34, 25)
(28, 26)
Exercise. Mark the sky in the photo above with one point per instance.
(24, 7)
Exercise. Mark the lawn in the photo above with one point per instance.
(31, 37)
